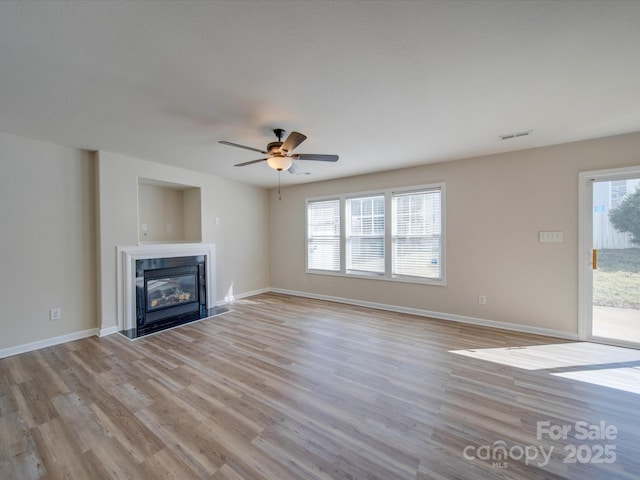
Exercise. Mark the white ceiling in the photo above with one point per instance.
(383, 84)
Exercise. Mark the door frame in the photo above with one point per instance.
(585, 246)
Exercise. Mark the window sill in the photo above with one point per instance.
(373, 276)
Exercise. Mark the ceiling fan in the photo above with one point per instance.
(280, 156)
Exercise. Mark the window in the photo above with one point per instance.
(365, 234)
(618, 191)
(416, 233)
(323, 235)
(394, 235)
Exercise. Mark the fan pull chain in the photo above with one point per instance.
(279, 173)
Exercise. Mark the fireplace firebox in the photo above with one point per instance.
(169, 289)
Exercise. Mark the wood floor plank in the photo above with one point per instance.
(111, 460)
(227, 472)
(62, 456)
(80, 420)
(167, 465)
(291, 388)
(22, 407)
(20, 458)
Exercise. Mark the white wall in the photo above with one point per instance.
(241, 238)
(495, 207)
(47, 240)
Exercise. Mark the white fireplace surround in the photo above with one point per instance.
(126, 273)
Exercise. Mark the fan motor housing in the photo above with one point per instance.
(274, 148)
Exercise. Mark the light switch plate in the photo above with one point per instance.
(551, 237)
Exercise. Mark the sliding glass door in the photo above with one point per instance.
(610, 257)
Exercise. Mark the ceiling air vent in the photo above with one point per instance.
(510, 136)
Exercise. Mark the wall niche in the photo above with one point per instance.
(168, 212)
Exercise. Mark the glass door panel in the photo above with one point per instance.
(616, 260)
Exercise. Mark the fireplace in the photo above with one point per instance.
(169, 288)
(162, 286)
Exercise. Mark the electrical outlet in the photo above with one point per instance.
(169, 227)
(55, 314)
(482, 299)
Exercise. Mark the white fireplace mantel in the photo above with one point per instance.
(126, 273)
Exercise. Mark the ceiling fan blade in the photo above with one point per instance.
(313, 156)
(293, 140)
(250, 162)
(242, 146)
(295, 170)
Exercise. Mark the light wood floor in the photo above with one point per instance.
(291, 388)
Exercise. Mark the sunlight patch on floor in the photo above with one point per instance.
(625, 378)
(549, 356)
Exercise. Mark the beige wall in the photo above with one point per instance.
(192, 215)
(241, 238)
(157, 208)
(495, 207)
(160, 206)
(47, 240)
(64, 211)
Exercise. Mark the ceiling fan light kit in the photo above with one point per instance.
(280, 163)
(280, 157)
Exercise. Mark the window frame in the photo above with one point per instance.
(387, 275)
(309, 201)
(397, 237)
(348, 236)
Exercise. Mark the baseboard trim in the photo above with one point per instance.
(108, 331)
(230, 299)
(47, 342)
(547, 332)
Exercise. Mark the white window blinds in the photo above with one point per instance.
(416, 233)
(365, 234)
(323, 235)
